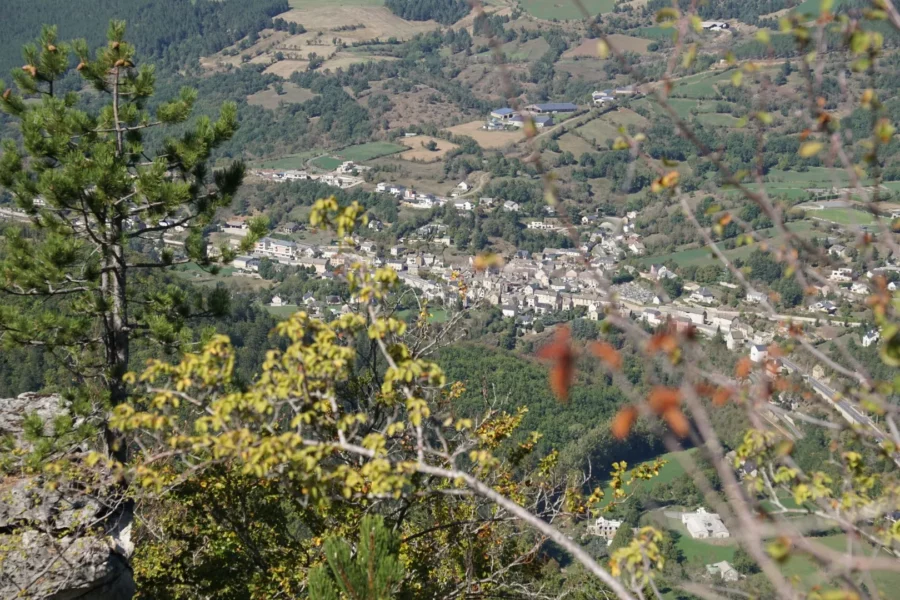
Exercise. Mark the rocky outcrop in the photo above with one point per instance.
(62, 537)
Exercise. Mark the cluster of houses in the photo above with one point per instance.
(541, 115)
(344, 176)
(605, 97)
(425, 200)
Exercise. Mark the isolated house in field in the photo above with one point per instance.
(724, 570)
(714, 25)
(502, 114)
(552, 108)
(870, 338)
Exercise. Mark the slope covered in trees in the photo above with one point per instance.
(442, 11)
(173, 30)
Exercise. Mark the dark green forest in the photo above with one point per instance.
(170, 31)
(442, 11)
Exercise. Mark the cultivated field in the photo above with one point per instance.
(418, 152)
(565, 9)
(529, 51)
(327, 163)
(588, 69)
(295, 162)
(487, 139)
(570, 142)
(269, 39)
(627, 43)
(378, 22)
(293, 94)
(284, 68)
(607, 126)
(369, 151)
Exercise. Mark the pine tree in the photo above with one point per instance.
(371, 574)
(100, 202)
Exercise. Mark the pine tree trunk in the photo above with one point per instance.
(117, 335)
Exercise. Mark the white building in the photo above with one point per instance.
(724, 570)
(870, 338)
(714, 25)
(842, 275)
(463, 186)
(758, 353)
(510, 206)
(703, 296)
(702, 525)
(605, 528)
(755, 297)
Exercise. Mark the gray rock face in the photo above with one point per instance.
(65, 541)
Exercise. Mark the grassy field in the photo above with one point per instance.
(843, 216)
(370, 150)
(702, 85)
(438, 315)
(329, 163)
(717, 120)
(574, 144)
(655, 32)
(564, 10)
(530, 50)
(702, 256)
(607, 126)
(698, 552)
(302, 4)
(282, 312)
(291, 161)
(268, 98)
(811, 574)
(814, 7)
(670, 471)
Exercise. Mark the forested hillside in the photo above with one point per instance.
(442, 11)
(171, 31)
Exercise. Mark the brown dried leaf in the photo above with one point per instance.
(677, 422)
(563, 356)
(608, 354)
(623, 421)
(743, 367)
(663, 399)
(722, 396)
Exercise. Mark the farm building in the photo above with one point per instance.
(502, 114)
(552, 108)
(540, 121)
(702, 525)
(714, 25)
